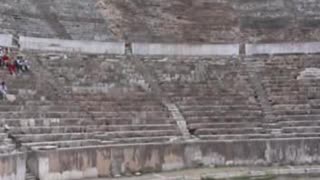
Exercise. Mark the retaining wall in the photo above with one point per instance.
(107, 161)
(185, 49)
(58, 45)
(95, 47)
(13, 166)
(6, 40)
(283, 48)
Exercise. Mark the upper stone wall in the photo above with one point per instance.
(215, 20)
(178, 21)
(172, 20)
(65, 19)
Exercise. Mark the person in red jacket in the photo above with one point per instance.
(5, 60)
(11, 67)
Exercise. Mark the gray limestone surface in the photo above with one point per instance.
(214, 21)
(201, 21)
(68, 19)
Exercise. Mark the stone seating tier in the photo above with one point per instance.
(209, 108)
(34, 122)
(76, 114)
(266, 136)
(105, 136)
(225, 125)
(63, 144)
(90, 128)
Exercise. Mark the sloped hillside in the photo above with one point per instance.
(172, 20)
(213, 20)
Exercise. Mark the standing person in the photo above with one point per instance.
(1, 52)
(1, 55)
(11, 68)
(5, 59)
(22, 64)
(3, 90)
(18, 63)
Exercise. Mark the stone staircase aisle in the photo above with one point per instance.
(154, 88)
(262, 97)
(181, 122)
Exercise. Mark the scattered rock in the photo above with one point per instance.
(43, 98)
(309, 73)
(11, 97)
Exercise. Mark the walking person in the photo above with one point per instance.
(3, 90)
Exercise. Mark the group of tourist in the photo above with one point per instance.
(16, 65)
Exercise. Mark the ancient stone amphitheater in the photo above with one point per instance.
(120, 87)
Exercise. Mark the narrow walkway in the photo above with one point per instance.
(51, 18)
(262, 97)
(196, 174)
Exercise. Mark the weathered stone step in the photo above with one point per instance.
(33, 122)
(11, 107)
(220, 131)
(301, 129)
(77, 114)
(54, 137)
(143, 139)
(126, 134)
(227, 137)
(64, 144)
(222, 119)
(303, 117)
(213, 125)
(291, 106)
(243, 113)
(218, 97)
(297, 112)
(234, 136)
(299, 123)
(217, 107)
(78, 129)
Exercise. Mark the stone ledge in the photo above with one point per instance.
(185, 49)
(283, 48)
(6, 40)
(59, 45)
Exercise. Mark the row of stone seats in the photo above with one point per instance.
(21, 86)
(293, 99)
(214, 95)
(119, 112)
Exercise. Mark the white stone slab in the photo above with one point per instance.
(185, 49)
(283, 48)
(58, 45)
(6, 40)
